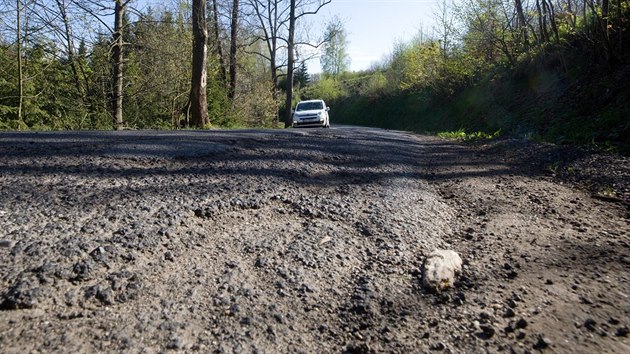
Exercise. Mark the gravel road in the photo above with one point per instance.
(308, 241)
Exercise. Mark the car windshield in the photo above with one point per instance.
(309, 106)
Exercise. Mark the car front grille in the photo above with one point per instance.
(309, 117)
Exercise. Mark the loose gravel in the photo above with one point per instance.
(304, 241)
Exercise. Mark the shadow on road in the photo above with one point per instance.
(335, 156)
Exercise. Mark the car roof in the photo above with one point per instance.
(310, 101)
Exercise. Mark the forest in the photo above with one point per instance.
(547, 70)
(553, 70)
(72, 65)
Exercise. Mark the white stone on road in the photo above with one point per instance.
(440, 269)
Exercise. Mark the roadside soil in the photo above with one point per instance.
(308, 241)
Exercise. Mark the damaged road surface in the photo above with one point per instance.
(303, 241)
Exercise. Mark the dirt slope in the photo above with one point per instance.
(307, 241)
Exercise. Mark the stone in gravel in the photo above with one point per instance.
(521, 323)
(511, 303)
(6, 244)
(83, 270)
(168, 255)
(24, 294)
(511, 274)
(487, 331)
(622, 331)
(509, 313)
(590, 324)
(485, 317)
(358, 348)
(261, 262)
(542, 343)
(460, 298)
(325, 240)
(438, 346)
(175, 344)
(433, 322)
(440, 269)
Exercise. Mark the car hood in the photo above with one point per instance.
(309, 112)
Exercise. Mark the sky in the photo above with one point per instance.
(374, 26)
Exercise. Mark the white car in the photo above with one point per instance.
(313, 113)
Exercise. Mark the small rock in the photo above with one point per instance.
(521, 323)
(440, 268)
(484, 316)
(622, 331)
(459, 299)
(168, 255)
(585, 300)
(175, 344)
(24, 294)
(487, 331)
(234, 309)
(261, 263)
(438, 346)
(511, 274)
(590, 324)
(433, 322)
(542, 343)
(6, 244)
(511, 303)
(358, 348)
(509, 313)
(105, 296)
(83, 270)
(324, 240)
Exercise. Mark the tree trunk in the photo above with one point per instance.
(233, 47)
(19, 61)
(288, 120)
(198, 86)
(217, 39)
(542, 25)
(70, 44)
(274, 75)
(522, 23)
(118, 64)
(620, 34)
(551, 14)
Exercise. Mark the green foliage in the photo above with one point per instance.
(302, 77)
(416, 65)
(565, 90)
(335, 59)
(374, 86)
(327, 88)
(461, 135)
